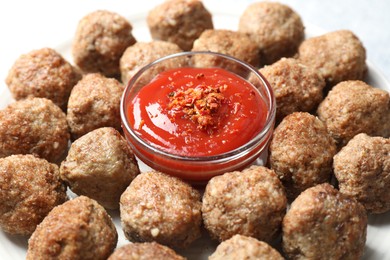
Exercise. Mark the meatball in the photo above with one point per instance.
(274, 27)
(100, 165)
(34, 126)
(144, 251)
(42, 73)
(296, 87)
(93, 103)
(251, 202)
(354, 107)
(30, 188)
(301, 152)
(161, 208)
(78, 229)
(142, 53)
(243, 247)
(337, 56)
(101, 38)
(179, 21)
(324, 224)
(362, 169)
(236, 44)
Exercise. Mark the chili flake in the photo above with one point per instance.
(199, 104)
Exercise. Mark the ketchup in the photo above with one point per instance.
(197, 112)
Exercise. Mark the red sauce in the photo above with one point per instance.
(197, 112)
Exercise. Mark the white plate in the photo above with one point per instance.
(225, 17)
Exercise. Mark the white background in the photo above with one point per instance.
(27, 25)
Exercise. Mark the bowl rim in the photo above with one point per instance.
(269, 123)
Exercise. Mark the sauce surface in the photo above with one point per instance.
(197, 112)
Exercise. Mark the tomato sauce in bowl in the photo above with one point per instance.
(194, 122)
(197, 112)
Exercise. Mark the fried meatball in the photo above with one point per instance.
(243, 247)
(276, 28)
(324, 224)
(236, 44)
(145, 251)
(337, 56)
(78, 229)
(362, 169)
(142, 53)
(179, 21)
(30, 188)
(101, 38)
(42, 73)
(100, 165)
(301, 152)
(93, 103)
(34, 126)
(251, 202)
(354, 107)
(296, 87)
(158, 207)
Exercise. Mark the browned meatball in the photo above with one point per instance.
(78, 229)
(34, 126)
(250, 203)
(337, 56)
(362, 169)
(42, 73)
(236, 44)
(30, 188)
(100, 165)
(301, 152)
(179, 21)
(296, 87)
(93, 103)
(276, 28)
(243, 247)
(101, 38)
(161, 208)
(142, 53)
(324, 224)
(145, 251)
(354, 107)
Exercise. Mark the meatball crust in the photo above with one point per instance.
(93, 103)
(142, 53)
(324, 224)
(236, 44)
(296, 87)
(34, 126)
(78, 229)
(243, 247)
(301, 152)
(362, 169)
(144, 251)
(251, 202)
(354, 107)
(30, 188)
(101, 38)
(337, 56)
(42, 73)
(100, 165)
(179, 21)
(276, 28)
(158, 207)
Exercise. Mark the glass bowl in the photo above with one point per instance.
(199, 169)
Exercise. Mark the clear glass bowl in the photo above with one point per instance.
(200, 168)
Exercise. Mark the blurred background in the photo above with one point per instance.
(27, 25)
